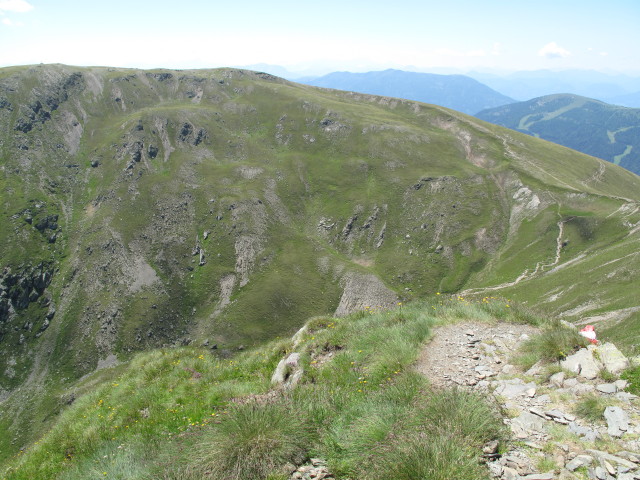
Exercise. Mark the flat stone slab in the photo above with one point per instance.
(609, 388)
(611, 458)
(529, 421)
(514, 388)
(587, 433)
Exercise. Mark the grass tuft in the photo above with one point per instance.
(591, 407)
(553, 344)
(421, 455)
(254, 441)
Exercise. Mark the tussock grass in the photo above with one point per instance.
(425, 457)
(254, 441)
(183, 414)
(554, 343)
(591, 407)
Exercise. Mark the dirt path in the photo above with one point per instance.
(471, 353)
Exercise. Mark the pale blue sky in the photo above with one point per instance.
(325, 35)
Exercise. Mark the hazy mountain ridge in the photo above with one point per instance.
(590, 126)
(457, 92)
(226, 207)
(525, 85)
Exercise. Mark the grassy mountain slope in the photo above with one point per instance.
(223, 208)
(360, 404)
(606, 131)
(457, 92)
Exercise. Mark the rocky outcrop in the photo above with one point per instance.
(22, 286)
(361, 291)
(288, 372)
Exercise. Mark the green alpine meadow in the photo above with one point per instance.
(165, 233)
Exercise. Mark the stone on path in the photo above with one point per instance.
(583, 363)
(514, 388)
(617, 421)
(579, 461)
(607, 388)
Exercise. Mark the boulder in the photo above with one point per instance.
(612, 359)
(288, 372)
(583, 363)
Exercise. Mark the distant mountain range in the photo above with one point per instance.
(611, 88)
(606, 131)
(458, 92)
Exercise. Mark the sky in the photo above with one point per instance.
(317, 37)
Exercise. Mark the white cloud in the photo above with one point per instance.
(497, 49)
(7, 21)
(18, 6)
(553, 50)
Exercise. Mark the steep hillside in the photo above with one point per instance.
(452, 91)
(223, 208)
(590, 126)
